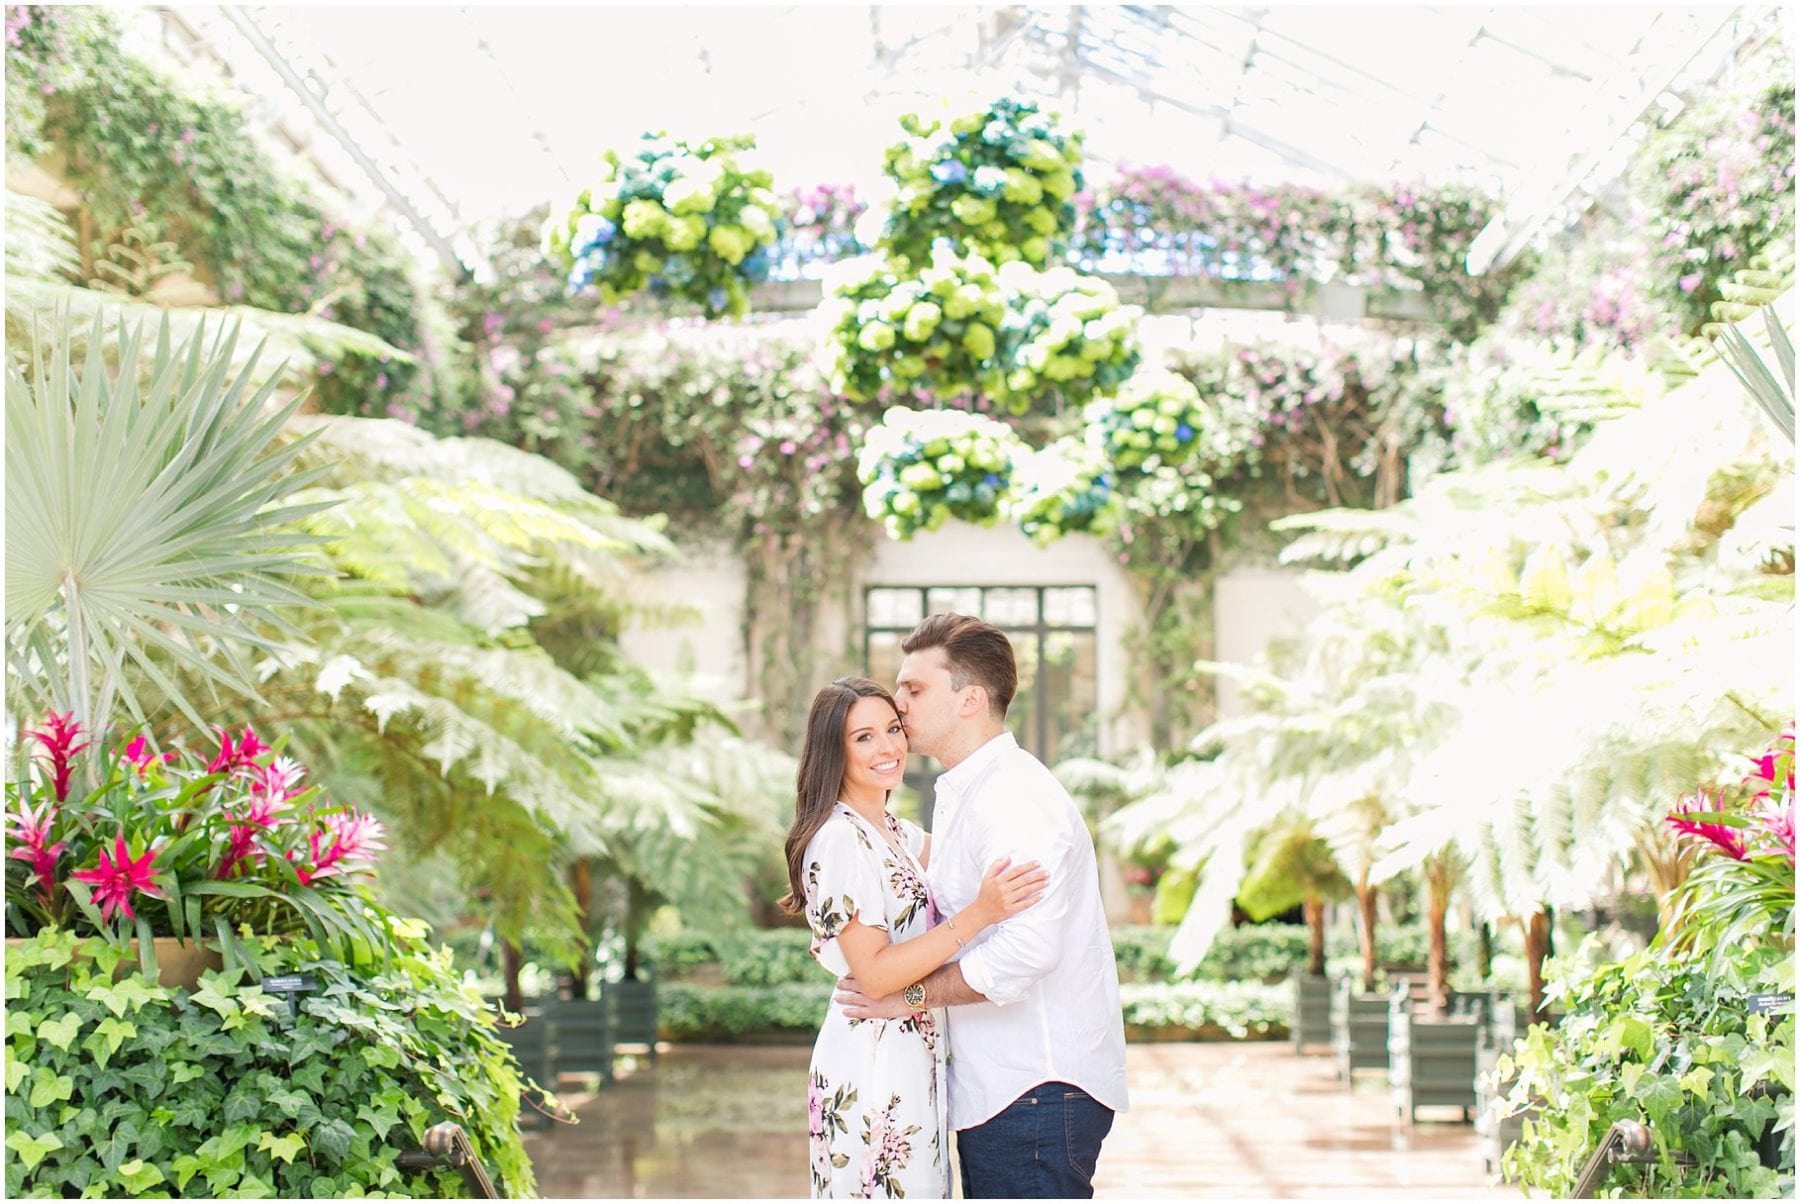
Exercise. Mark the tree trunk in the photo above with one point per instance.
(581, 884)
(1537, 947)
(1314, 910)
(1365, 905)
(1484, 950)
(512, 961)
(1437, 906)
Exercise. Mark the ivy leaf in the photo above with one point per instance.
(138, 1176)
(208, 997)
(31, 1149)
(15, 1073)
(47, 1088)
(128, 994)
(331, 1139)
(289, 1102)
(61, 1031)
(242, 1104)
(380, 1116)
(252, 1188)
(283, 1148)
(182, 1072)
(185, 1167)
(115, 1145)
(106, 1038)
(1696, 1081)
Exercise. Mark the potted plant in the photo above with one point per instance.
(170, 847)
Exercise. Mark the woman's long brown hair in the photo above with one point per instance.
(820, 778)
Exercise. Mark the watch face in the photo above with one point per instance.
(915, 995)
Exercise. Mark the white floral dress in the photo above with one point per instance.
(876, 1105)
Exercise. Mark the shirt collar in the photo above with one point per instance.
(957, 780)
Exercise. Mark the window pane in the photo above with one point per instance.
(1070, 693)
(885, 656)
(1022, 716)
(945, 600)
(1011, 607)
(1072, 607)
(895, 608)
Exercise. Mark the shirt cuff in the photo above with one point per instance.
(994, 990)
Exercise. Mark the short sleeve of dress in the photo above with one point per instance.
(914, 835)
(844, 880)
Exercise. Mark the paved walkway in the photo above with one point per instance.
(1221, 1120)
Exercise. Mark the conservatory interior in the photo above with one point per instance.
(449, 448)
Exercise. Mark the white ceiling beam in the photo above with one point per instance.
(1665, 53)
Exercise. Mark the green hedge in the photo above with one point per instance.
(767, 957)
(695, 1012)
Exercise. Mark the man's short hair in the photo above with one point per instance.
(979, 654)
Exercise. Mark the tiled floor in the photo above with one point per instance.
(1218, 1120)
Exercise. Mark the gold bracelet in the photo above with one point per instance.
(951, 920)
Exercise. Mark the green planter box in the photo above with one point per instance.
(1312, 1010)
(580, 1033)
(1359, 1030)
(632, 1008)
(1431, 1061)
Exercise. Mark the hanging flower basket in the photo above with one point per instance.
(1066, 339)
(999, 182)
(1157, 418)
(1063, 489)
(680, 220)
(891, 335)
(920, 468)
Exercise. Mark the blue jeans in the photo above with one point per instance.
(1042, 1146)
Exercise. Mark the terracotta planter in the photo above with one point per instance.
(178, 963)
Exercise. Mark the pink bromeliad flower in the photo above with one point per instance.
(139, 756)
(29, 831)
(1778, 822)
(1726, 839)
(242, 755)
(345, 839)
(118, 877)
(58, 736)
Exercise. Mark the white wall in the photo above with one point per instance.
(708, 581)
(1252, 606)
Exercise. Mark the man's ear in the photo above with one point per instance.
(974, 702)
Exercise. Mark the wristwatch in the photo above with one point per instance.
(914, 995)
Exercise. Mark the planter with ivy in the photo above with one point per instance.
(118, 1086)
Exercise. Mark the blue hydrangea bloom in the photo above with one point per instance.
(991, 479)
(756, 265)
(950, 171)
(716, 298)
(603, 234)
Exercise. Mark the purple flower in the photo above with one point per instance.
(1690, 282)
(950, 171)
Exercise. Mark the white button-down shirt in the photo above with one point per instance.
(1048, 973)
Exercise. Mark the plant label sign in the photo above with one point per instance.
(1768, 1002)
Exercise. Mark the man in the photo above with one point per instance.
(1037, 1041)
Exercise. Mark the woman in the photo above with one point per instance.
(876, 1108)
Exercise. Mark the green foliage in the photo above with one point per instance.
(1673, 1046)
(756, 957)
(176, 561)
(1239, 1010)
(999, 183)
(690, 1012)
(138, 144)
(119, 1087)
